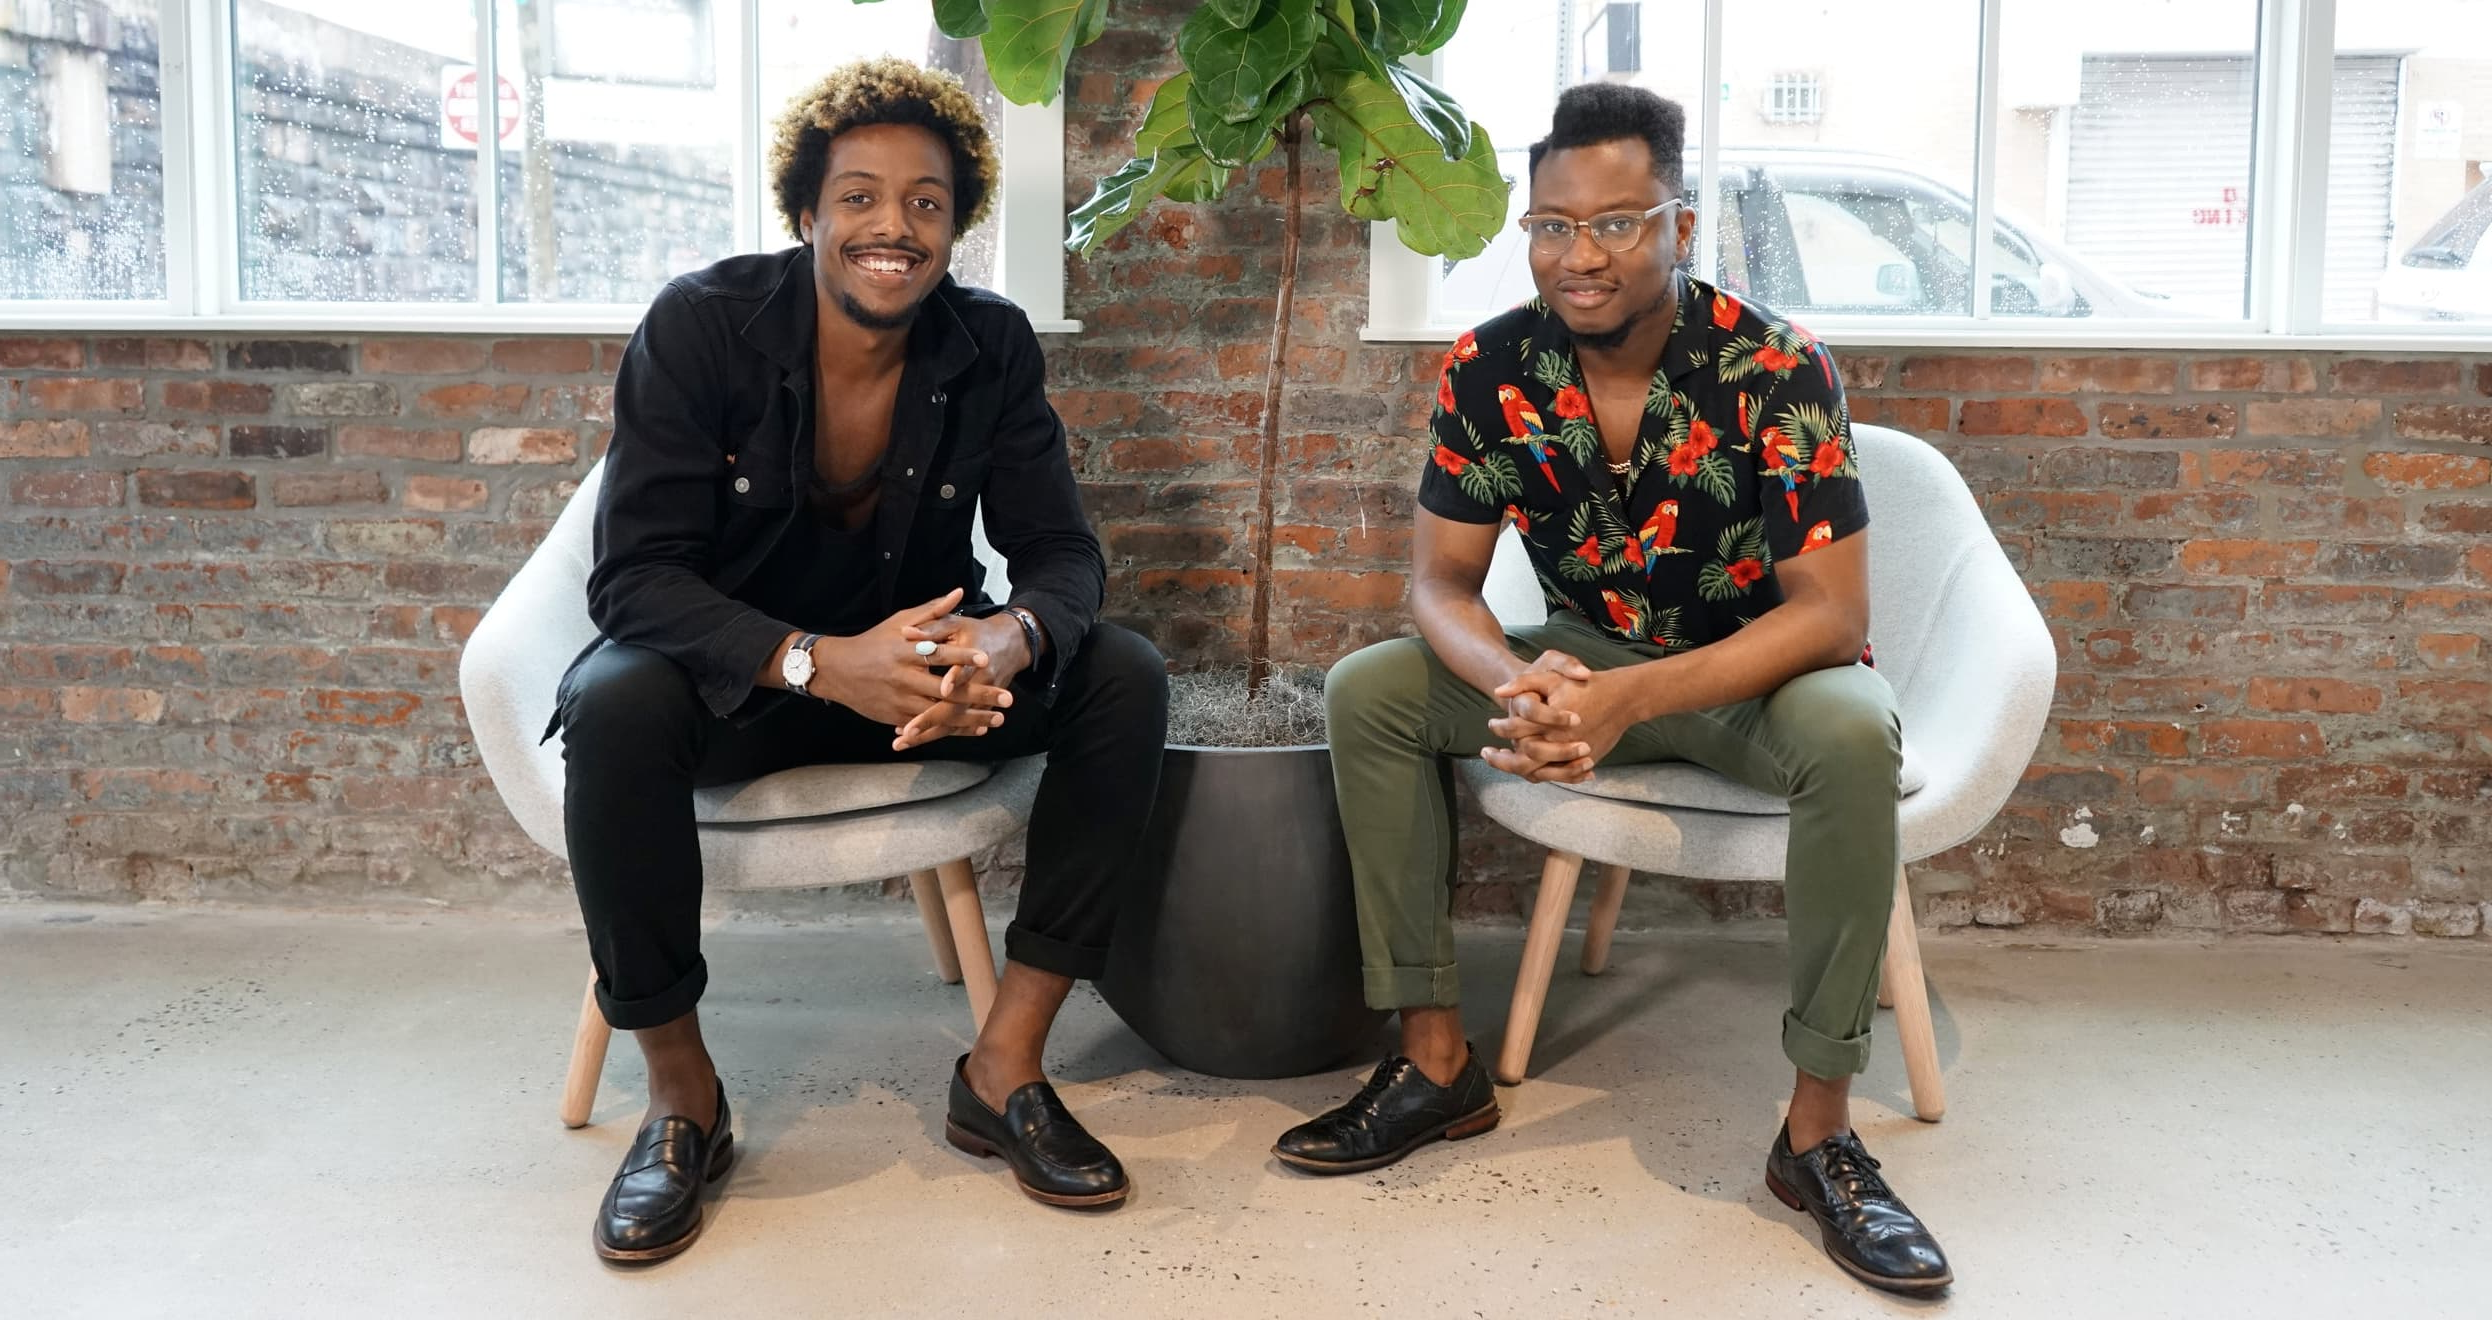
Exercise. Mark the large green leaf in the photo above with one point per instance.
(960, 19)
(1345, 44)
(1448, 18)
(1393, 168)
(1165, 122)
(1029, 41)
(1235, 13)
(1235, 68)
(1401, 25)
(1245, 143)
(1178, 172)
(1435, 112)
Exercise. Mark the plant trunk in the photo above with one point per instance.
(1268, 457)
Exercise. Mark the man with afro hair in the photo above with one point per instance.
(1679, 465)
(784, 577)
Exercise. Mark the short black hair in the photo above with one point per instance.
(1592, 113)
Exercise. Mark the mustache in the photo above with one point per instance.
(896, 245)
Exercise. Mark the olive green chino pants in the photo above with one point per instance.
(1829, 741)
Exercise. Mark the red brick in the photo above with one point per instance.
(2128, 738)
(544, 357)
(1339, 591)
(2435, 603)
(1860, 371)
(47, 439)
(1904, 413)
(429, 446)
(75, 394)
(2194, 696)
(444, 494)
(67, 490)
(2249, 558)
(2163, 785)
(2263, 467)
(1084, 410)
(2215, 510)
(368, 709)
(2443, 422)
(148, 439)
(2316, 604)
(218, 397)
(2044, 417)
(473, 399)
(2411, 376)
(2193, 421)
(455, 623)
(1968, 375)
(2174, 601)
(43, 354)
(2459, 517)
(2445, 701)
(512, 444)
(295, 490)
(69, 577)
(195, 490)
(2315, 417)
(2427, 471)
(2448, 650)
(2314, 513)
(2124, 374)
(2080, 602)
(2326, 696)
(2326, 784)
(2262, 740)
(422, 357)
(26, 703)
(99, 705)
(609, 356)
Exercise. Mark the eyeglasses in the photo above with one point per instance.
(1617, 231)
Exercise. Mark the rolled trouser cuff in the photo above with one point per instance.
(1389, 988)
(1031, 949)
(659, 1009)
(1821, 1055)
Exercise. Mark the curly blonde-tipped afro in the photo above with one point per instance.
(880, 91)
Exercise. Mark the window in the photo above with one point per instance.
(81, 153)
(2129, 170)
(1794, 98)
(438, 164)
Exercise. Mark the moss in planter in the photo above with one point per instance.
(1210, 709)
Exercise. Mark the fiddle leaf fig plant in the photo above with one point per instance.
(1256, 74)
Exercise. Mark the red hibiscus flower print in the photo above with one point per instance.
(1725, 311)
(1590, 551)
(1744, 573)
(1445, 386)
(1452, 462)
(1700, 437)
(1685, 460)
(1571, 404)
(1774, 359)
(1465, 348)
(1828, 459)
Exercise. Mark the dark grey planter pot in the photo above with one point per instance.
(1237, 951)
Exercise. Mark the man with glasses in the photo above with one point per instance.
(1680, 466)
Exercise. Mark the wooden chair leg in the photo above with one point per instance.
(1886, 984)
(1902, 973)
(588, 1059)
(929, 895)
(1540, 947)
(1604, 919)
(968, 921)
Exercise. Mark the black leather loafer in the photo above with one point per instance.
(1052, 1158)
(1866, 1228)
(653, 1209)
(1397, 1112)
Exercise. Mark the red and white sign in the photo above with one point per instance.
(2227, 216)
(461, 118)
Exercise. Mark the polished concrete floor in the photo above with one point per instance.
(253, 1114)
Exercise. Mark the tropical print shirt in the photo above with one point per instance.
(1743, 456)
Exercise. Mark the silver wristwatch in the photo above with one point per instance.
(797, 668)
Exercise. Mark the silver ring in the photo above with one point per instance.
(925, 648)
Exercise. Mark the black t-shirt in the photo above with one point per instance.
(1744, 456)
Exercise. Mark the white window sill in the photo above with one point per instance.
(509, 322)
(2100, 335)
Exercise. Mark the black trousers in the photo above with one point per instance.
(637, 740)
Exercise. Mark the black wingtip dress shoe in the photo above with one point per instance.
(653, 1208)
(1053, 1159)
(1397, 1112)
(1866, 1228)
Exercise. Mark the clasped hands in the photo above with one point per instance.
(1561, 717)
(889, 672)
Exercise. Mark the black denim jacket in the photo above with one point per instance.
(705, 473)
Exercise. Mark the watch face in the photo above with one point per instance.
(799, 667)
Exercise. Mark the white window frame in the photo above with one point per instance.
(201, 242)
(2287, 244)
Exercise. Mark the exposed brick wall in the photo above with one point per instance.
(234, 574)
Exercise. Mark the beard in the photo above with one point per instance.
(874, 320)
(1603, 341)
